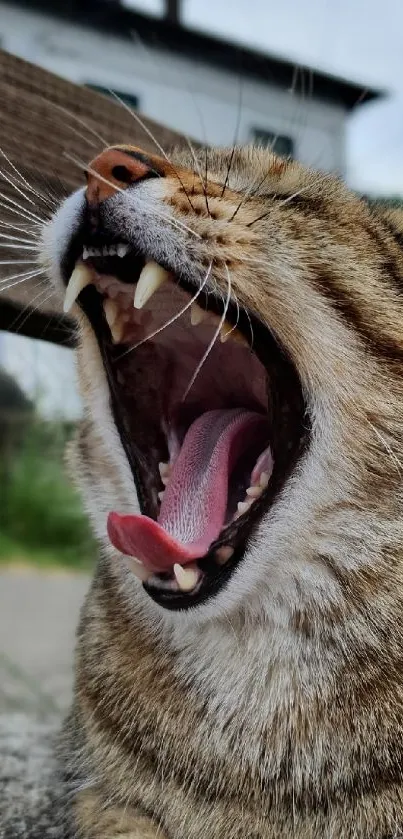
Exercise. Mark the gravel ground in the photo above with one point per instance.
(38, 615)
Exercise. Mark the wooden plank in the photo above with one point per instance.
(44, 117)
(36, 324)
(44, 122)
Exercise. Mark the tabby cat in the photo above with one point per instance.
(239, 664)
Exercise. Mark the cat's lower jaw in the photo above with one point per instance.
(163, 760)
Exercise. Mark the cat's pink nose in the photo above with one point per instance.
(116, 169)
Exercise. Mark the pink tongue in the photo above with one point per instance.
(195, 502)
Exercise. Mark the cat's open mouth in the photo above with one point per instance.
(209, 411)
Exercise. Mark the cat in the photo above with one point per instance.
(239, 655)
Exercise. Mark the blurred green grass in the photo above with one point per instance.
(41, 518)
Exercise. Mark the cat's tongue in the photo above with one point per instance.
(194, 506)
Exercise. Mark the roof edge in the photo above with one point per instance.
(161, 33)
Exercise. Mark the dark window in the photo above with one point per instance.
(279, 143)
(128, 98)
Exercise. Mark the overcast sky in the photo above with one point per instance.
(358, 39)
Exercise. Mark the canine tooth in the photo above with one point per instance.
(85, 253)
(164, 469)
(117, 330)
(197, 314)
(161, 494)
(226, 331)
(137, 568)
(185, 577)
(254, 492)
(150, 279)
(243, 506)
(224, 554)
(264, 480)
(111, 310)
(80, 278)
(264, 464)
(122, 250)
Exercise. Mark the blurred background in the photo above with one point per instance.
(315, 80)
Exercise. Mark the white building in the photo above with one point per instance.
(192, 82)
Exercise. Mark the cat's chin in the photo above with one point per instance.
(208, 408)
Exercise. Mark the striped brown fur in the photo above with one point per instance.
(277, 712)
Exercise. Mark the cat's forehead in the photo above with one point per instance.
(255, 171)
(236, 164)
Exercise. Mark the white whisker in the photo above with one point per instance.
(237, 313)
(20, 274)
(17, 239)
(141, 123)
(171, 320)
(19, 247)
(15, 186)
(201, 179)
(213, 340)
(17, 261)
(10, 206)
(23, 279)
(79, 120)
(151, 136)
(27, 230)
(295, 194)
(83, 137)
(252, 334)
(395, 460)
(92, 171)
(23, 179)
(41, 298)
(173, 221)
(253, 187)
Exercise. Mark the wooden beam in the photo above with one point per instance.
(46, 120)
(36, 324)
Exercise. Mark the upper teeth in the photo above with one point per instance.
(111, 310)
(150, 279)
(197, 314)
(226, 331)
(80, 278)
(107, 250)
